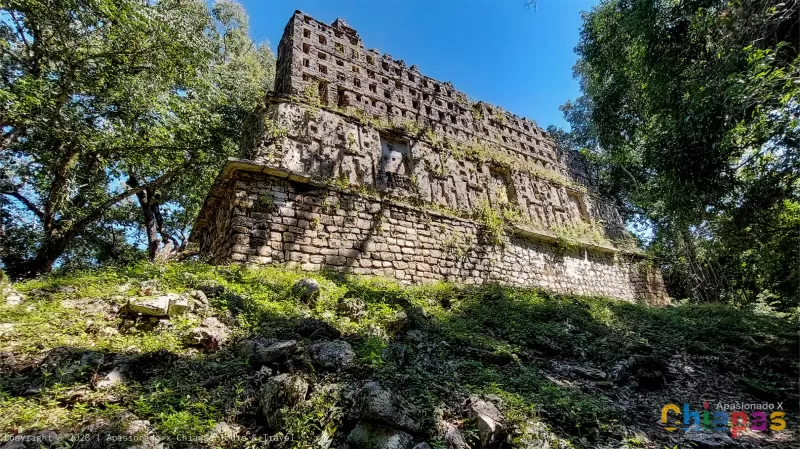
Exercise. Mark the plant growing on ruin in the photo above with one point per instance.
(352, 144)
(274, 131)
(267, 201)
(411, 127)
(454, 244)
(342, 181)
(311, 95)
(476, 109)
(492, 223)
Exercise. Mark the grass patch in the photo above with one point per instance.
(436, 344)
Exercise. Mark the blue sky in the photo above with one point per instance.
(497, 51)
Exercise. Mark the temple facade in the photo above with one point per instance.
(361, 164)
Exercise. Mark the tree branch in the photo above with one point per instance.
(99, 210)
(28, 203)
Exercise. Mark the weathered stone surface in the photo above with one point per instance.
(200, 298)
(702, 439)
(332, 354)
(369, 435)
(153, 306)
(150, 287)
(179, 304)
(211, 334)
(488, 418)
(117, 376)
(307, 289)
(379, 404)
(454, 439)
(275, 352)
(346, 231)
(285, 390)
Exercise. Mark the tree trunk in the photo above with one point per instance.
(153, 224)
(59, 237)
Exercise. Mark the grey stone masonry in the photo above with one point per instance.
(361, 164)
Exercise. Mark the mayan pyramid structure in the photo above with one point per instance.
(359, 163)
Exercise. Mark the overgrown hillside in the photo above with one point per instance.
(453, 366)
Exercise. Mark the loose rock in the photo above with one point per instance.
(6, 328)
(368, 435)
(332, 354)
(313, 328)
(377, 403)
(281, 391)
(152, 306)
(454, 439)
(489, 419)
(200, 299)
(117, 376)
(307, 290)
(354, 308)
(261, 353)
(12, 297)
(211, 334)
(179, 304)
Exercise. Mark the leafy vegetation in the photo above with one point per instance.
(551, 359)
(690, 112)
(104, 102)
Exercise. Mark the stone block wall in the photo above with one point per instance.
(361, 164)
(274, 219)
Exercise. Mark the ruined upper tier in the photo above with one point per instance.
(348, 117)
(332, 60)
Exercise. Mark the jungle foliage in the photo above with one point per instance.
(114, 118)
(689, 110)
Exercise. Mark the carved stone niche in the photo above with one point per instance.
(395, 164)
(501, 188)
(577, 207)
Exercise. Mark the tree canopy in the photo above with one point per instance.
(689, 110)
(115, 117)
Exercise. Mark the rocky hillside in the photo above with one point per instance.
(188, 355)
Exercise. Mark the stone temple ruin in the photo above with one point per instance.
(361, 164)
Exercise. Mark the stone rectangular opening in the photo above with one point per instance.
(322, 88)
(395, 163)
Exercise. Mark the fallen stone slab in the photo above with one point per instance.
(152, 306)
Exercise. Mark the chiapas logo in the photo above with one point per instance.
(735, 418)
